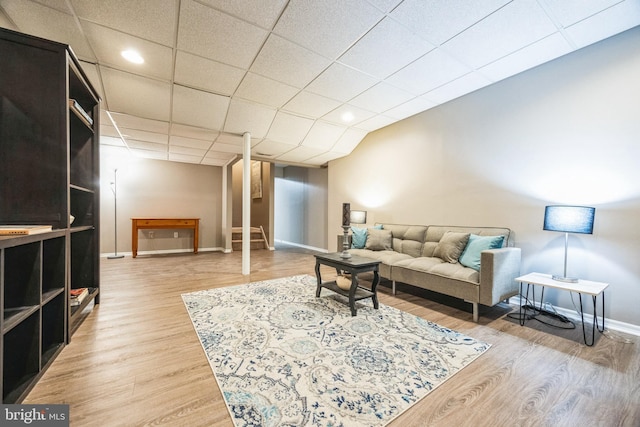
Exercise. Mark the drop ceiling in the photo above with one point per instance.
(292, 72)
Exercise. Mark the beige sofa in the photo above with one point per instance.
(414, 255)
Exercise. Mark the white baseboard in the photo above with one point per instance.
(312, 248)
(613, 325)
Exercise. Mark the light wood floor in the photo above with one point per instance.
(136, 359)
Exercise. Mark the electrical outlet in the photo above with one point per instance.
(175, 234)
(151, 234)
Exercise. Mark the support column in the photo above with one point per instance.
(246, 203)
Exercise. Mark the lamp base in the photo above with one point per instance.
(345, 255)
(116, 256)
(565, 279)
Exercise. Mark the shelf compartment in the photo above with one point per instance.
(53, 266)
(22, 276)
(13, 316)
(21, 358)
(53, 327)
(82, 206)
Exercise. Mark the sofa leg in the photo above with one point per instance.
(475, 310)
(393, 287)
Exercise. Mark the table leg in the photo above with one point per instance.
(374, 285)
(352, 293)
(134, 240)
(195, 237)
(319, 279)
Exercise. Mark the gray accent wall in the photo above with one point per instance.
(566, 132)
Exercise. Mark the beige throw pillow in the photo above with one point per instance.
(451, 246)
(379, 240)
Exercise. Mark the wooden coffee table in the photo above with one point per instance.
(354, 266)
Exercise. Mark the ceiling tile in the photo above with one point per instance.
(220, 155)
(381, 97)
(341, 82)
(358, 114)
(516, 25)
(400, 47)
(289, 63)
(178, 149)
(184, 158)
(323, 158)
(193, 132)
(132, 122)
(201, 73)
(140, 135)
(569, 12)
(232, 139)
(42, 21)
(216, 35)
(145, 145)
(265, 91)
(462, 86)
(410, 108)
(439, 20)
(349, 140)
(290, 128)
(299, 154)
(618, 18)
(198, 108)
(245, 117)
(272, 148)
(108, 45)
(328, 27)
(212, 161)
(310, 104)
(111, 140)
(264, 15)
(149, 19)
(151, 100)
(535, 54)
(385, 5)
(147, 154)
(108, 131)
(226, 148)
(323, 135)
(375, 123)
(181, 141)
(432, 70)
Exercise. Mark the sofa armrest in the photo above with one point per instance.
(498, 271)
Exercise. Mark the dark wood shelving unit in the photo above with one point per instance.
(49, 175)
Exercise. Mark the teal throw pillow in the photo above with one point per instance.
(471, 255)
(358, 237)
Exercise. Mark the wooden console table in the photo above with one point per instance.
(163, 223)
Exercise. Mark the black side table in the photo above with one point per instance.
(353, 265)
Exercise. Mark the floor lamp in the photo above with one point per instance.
(114, 190)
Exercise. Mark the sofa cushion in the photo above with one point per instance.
(386, 257)
(437, 266)
(471, 255)
(358, 237)
(451, 246)
(379, 240)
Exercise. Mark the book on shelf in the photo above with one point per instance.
(78, 109)
(78, 295)
(21, 230)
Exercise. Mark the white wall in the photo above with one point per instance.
(156, 188)
(567, 132)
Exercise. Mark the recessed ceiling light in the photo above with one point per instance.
(132, 56)
(347, 117)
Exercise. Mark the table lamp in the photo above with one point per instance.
(568, 219)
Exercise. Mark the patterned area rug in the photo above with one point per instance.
(283, 357)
